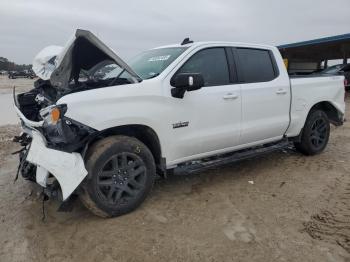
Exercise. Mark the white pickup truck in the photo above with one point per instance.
(102, 129)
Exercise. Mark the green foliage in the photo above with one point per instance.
(7, 65)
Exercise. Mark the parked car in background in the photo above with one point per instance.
(342, 69)
(21, 74)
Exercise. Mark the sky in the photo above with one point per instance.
(129, 27)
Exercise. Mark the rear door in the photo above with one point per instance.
(265, 95)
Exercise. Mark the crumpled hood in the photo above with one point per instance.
(83, 51)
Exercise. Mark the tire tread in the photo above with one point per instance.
(304, 146)
(92, 156)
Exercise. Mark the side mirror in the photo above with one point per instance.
(186, 82)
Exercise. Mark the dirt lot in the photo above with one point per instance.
(7, 112)
(297, 209)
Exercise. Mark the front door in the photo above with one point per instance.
(209, 119)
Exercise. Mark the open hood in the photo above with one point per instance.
(61, 65)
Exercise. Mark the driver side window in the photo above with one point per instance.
(212, 64)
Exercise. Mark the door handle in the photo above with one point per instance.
(230, 96)
(281, 92)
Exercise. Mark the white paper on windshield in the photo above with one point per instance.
(159, 58)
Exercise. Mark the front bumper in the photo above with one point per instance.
(68, 168)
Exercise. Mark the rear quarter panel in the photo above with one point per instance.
(307, 92)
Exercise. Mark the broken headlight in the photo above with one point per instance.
(52, 114)
(61, 132)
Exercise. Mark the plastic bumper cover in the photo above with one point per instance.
(67, 168)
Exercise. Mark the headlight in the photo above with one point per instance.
(52, 114)
(61, 132)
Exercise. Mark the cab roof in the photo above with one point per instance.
(217, 43)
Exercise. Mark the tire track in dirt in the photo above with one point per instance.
(6, 144)
(333, 224)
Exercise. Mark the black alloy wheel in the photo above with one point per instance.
(122, 178)
(318, 135)
(315, 134)
(121, 173)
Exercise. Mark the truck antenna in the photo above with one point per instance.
(186, 41)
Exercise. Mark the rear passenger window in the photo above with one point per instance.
(211, 63)
(256, 65)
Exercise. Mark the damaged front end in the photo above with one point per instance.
(53, 148)
(54, 145)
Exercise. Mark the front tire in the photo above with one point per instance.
(315, 134)
(121, 173)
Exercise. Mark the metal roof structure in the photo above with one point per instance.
(327, 48)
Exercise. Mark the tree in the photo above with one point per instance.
(7, 65)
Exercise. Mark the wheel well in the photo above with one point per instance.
(143, 133)
(332, 113)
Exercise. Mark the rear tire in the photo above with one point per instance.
(121, 173)
(315, 134)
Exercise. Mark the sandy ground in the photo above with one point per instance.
(21, 84)
(7, 112)
(297, 209)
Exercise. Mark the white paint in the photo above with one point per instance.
(258, 114)
(308, 92)
(255, 114)
(41, 176)
(67, 168)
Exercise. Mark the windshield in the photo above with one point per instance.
(150, 63)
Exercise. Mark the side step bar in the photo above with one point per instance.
(220, 160)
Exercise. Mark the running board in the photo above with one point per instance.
(220, 160)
